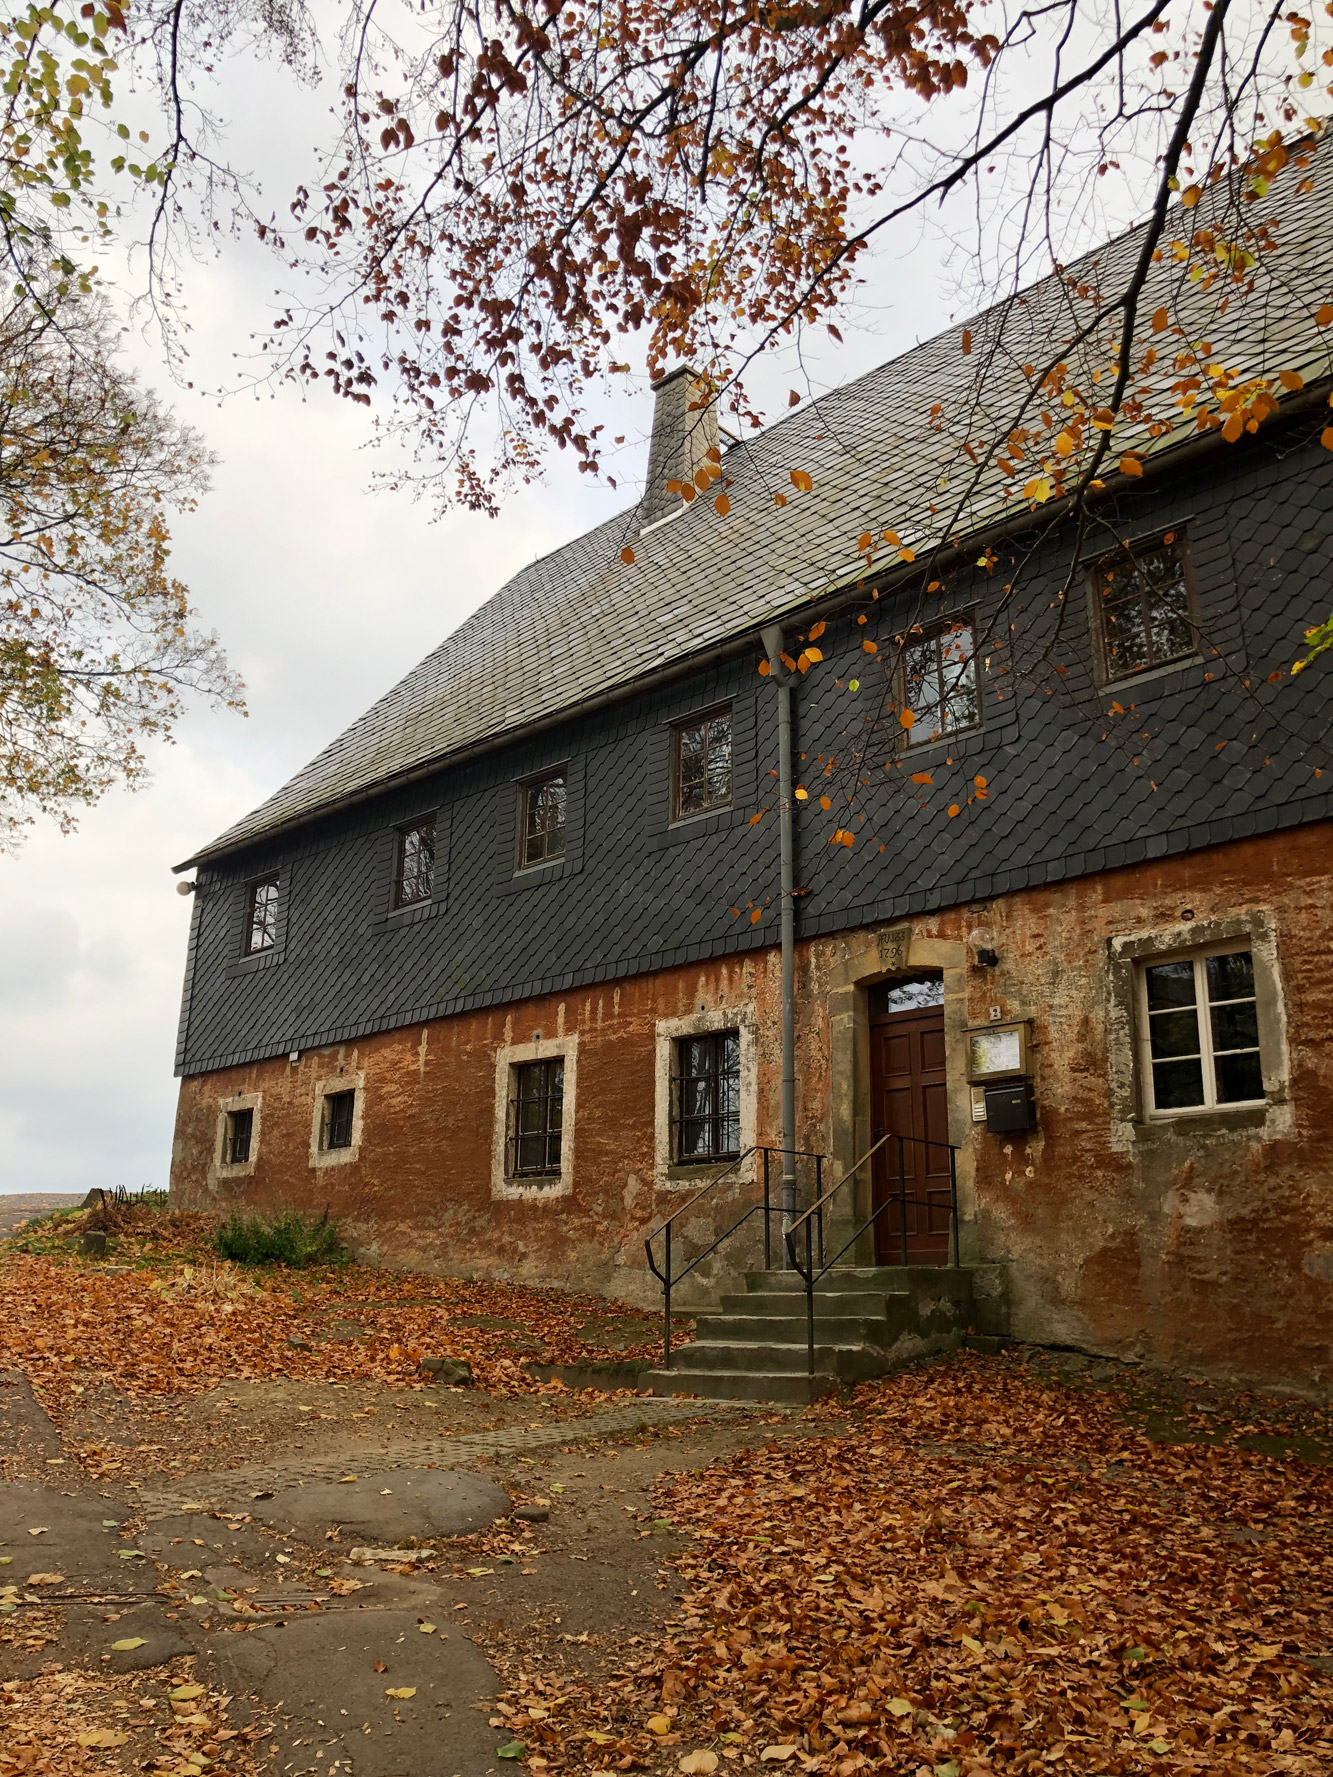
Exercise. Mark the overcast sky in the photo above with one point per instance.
(324, 594)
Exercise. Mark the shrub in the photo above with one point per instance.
(291, 1239)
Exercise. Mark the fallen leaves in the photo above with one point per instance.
(402, 1691)
(990, 1575)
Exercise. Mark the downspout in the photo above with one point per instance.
(772, 639)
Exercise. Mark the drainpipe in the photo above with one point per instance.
(772, 639)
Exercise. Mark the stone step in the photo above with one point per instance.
(888, 1279)
(867, 1304)
(789, 1327)
(743, 1356)
(782, 1387)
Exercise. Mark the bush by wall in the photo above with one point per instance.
(291, 1239)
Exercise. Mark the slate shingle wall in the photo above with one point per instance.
(1069, 791)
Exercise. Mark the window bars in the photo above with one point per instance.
(414, 871)
(702, 765)
(706, 1101)
(536, 1119)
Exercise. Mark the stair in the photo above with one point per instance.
(867, 1323)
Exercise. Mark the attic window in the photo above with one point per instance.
(542, 819)
(261, 924)
(1145, 606)
(940, 683)
(414, 872)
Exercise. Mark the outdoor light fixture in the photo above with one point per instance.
(982, 940)
(185, 887)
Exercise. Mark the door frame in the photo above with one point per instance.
(872, 957)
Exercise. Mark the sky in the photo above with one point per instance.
(324, 593)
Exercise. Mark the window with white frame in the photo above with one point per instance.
(261, 921)
(1199, 1029)
(939, 683)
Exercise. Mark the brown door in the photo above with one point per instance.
(910, 1099)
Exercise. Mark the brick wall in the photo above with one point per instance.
(1205, 1243)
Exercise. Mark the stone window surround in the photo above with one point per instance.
(1130, 1120)
(320, 1155)
(221, 1170)
(526, 1189)
(668, 1174)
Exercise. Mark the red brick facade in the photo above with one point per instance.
(1204, 1241)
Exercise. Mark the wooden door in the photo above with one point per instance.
(909, 1095)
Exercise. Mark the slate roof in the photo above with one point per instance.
(579, 623)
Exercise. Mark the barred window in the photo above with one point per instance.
(702, 765)
(542, 829)
(536, 1118)
(414, 874)
(1200, 1028)
(261, 925)
(940, 684)
(238, 1135)
(1144, 606)
(706, 1110)
(339, 1108)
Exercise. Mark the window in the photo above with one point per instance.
(339, 1108)
(542, 817)
(707, 1108)
(238, 1135)
(701, 766)
(1201, 1031)
(940, 684)
(1144, 606)
(261, 925)
(536, 1118)
(414, 871)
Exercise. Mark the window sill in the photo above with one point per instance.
(1207, 1120)
(1150, 675)
(534, 875)
(719, 812)
(259, 959)
(685, 1172)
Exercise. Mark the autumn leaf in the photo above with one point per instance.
(1324, 314)
(906, 718)
(722, 505)
(756, 914)
(793, 399)
(801, 793)
(922, 777)
(869, 647)
(1130, 465)
(967, 340)
(128, 1645)
(627, 556)
(824, 803)
(1190, 196)
(658, 1724)
(402, 1691)
(779, 1753)
(698, 1761)
(1160, 320)
(817, 630)
(514, 1749)
(953, 810)
(802, 481)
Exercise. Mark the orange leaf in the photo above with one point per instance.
(967, 340)
(870, 647)
(865, 540)
(922, 777)
(1160, 321)
(849, 839)
(1326, 437)
(1130, 466)
(824, 803)
(756, 818)
(1324, 315)
(906, 718)
(722, 505)
(687, 493)
(764, 669)
(793, 399)
(627, 556)
(779, 499)
(702, 479)
(953, 810)
(1234, 427)
(816, 630)
(801, 480)
(1291, 379)
(980, 782)
(713, 454)
(756, 914)
(815, 653)
(1190, 196)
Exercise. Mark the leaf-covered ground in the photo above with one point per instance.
(992, 1571)
(166, 1317)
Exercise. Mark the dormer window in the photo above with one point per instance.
(414, 870)
(541, 837)
(701, 765)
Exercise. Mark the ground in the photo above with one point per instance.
(241, 1535)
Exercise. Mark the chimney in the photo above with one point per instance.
(683, 435)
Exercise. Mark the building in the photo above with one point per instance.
(496, 978)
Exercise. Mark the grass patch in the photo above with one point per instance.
(292, 1239)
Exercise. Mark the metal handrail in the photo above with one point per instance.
(814, 1216)
(668, 1279)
